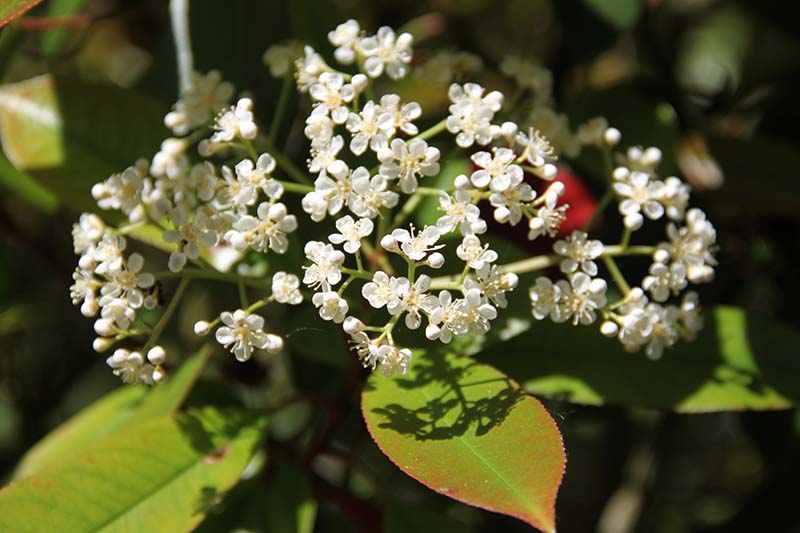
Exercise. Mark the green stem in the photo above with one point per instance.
(356, 273)
(408, 208)
(601, 206)
(164, 320)
(626, 238)
(428, 191)
(434, 130)
(287, 165)
(280, 111)
(213, 275)
(248, 146)
(299, 188)
(619, 279)
(242, 293)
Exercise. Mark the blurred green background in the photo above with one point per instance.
(714, 84)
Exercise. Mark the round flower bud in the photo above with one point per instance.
(201, 327)
(101, 344)
(119, 356)
(158, 374)
(157, 355)
(432, 331)
(651, 156)
(636, 294)
(621, 173)
(502, 214)
(609, 328)
(462, 182)
(633, 221)
(509, 281)
(548, 171)
(557, 188)
(89, 308)
(388, 243)
(661, 256)
(274, 343)
(105, 327)
(612, 136)
(150, 301)
(359, 82)
(352, 325)
(479, 226)
(435, 260)
(136, 358)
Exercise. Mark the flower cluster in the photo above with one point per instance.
(215, 192)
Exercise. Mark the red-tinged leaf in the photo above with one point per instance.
(469, 432)
(11, 9)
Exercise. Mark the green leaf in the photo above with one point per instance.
(163, 476)
(469, 432)
(70, 134)
(167, 397)
(25, 187)
(290, 506)
(90, 425)
(11, 9)
(53, 39)
(622, 14)
(739, 361)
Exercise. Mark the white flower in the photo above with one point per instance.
(351, 232)
(345, 38)
(403, 117)
(476, 255)
(171, 161)
(330, 195)
(693, 245)
(324, 158)
(690, 317)
(447, 318)
(579, 252)
(326, 262)
(382, 291)
(189, 236)
(548, 218)
(197, 104)
(493, 284)
(235, 122)
(87, 232)
(132, 368)
(204, 181)
(394, 360)
(536, 148)
(116, 310)
(471, 113)
(242, 332)
(459, 211)
(107, 256)
(545, 296)
(413, 300)
(406, 161)
(388, 52)
(333, 94)
(122, 191)
(664, 321)
(286, 288)
(129, 282)
(331, 306)
(580, 299)
(258, 175)
(83, 291)
(371, 195)
(319, 127)
(496, 171)
(268, 231)
(372, 127)
(478, 312)
(639, 193)
(308, 68)
(664, 279)
(416, 246)
(674, 195)
(510, 202)
(236, 191)
(279, 58)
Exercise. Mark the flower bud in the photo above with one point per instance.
(101, 344)
(432, 332)
(462, 182)
(509, 281)
(612, 137)
(136, 358)
(158, 374)
(633, 221)
(502, 214)
(651, 157)
(201, 327)
(105, 327)
(89, 308)
(661, 256)
(435, 260)
(274, 343)
(352, 325)
(609, 328)
(556, 188)
(636, 294)
(548, 172)
(388, 243)
(621, 173)
(156, 355)
(359, 82)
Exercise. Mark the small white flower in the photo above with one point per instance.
(372, 128)
(83, 291)
(319, 127)
(580, 299)
(345, 39)
(122, 191)
(476, 255)
(87, 232)
(333, 94)
(471, 113)
(403, 116)
(117, 310)
(664, 322)
(324, 158)
(331, 194)
(189, 236)
(258, 175)
(459, 212)
(579, 252)
(509, 203)
(308, 68)
(235, 122)
(331, 306)
(106, 257)
(493, 284)
(536, 149)
(197, 104)
(416, 246)
(351, 232)
(371, 195)
(326, 263)
(286, 288)
(129, 282)
(690, 316)
(268, 231)
(497, 170)
(545, 296)
(406, 161)
(280, 57)
(447, 318)
(242, 332)
(664, 279)
(386, 51)
(413, 300)
(382, 291)
(171, 161)
(693, 245)
(640, 194)
(674, 195)
(548, 218)
(394, 360)
(132, 368)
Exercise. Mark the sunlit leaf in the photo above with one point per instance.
(469, 432)
(164, 476)
(738, 362)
